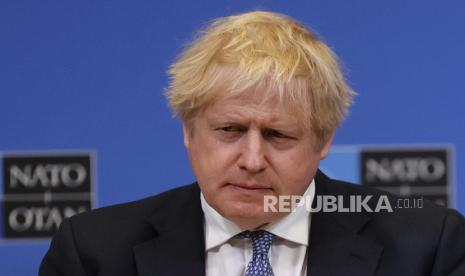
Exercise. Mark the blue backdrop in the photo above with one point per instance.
(90, 75)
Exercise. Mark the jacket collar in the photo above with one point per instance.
(336, 246)
(178, 247)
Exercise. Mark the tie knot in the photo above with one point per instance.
(261, 240)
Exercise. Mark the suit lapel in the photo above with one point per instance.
(179, 247)
(335, 246)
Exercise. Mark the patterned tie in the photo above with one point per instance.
(261, 243)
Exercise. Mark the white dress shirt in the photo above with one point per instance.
(228, 255)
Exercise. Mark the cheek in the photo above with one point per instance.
(210, 161)
(296, 170)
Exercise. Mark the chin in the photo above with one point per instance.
(246, 215)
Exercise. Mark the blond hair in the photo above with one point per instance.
(263, 50)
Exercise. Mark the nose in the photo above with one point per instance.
(252, 158)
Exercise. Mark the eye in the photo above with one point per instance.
(272, 133)
(231, 129)
(230, 133)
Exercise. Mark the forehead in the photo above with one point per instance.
(257, 106)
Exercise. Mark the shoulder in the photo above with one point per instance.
(135, 212)
(103, 239)
(413, 227)
(125, 225)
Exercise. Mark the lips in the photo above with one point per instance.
(250, 186)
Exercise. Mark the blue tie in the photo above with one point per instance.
(261, 243)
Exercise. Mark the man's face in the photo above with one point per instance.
(242, 149)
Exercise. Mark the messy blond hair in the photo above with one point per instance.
(266, 51)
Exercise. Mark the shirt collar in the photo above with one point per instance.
(293, 227)
(218, 229)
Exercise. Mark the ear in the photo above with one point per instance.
(186, 134)
(325, 149)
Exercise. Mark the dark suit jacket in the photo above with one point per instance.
(163, 235)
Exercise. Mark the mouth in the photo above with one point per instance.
(250, 187)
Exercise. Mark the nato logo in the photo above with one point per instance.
(424, 171)
(40, 190)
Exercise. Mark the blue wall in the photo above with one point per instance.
(90, 75)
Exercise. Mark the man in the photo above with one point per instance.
(260, 97)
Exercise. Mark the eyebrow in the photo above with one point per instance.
(275, 123)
